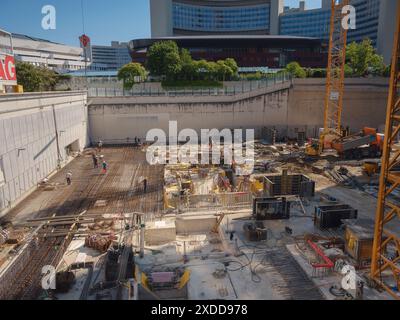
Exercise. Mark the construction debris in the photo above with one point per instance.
(98, 242)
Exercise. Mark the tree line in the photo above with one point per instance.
(361, 61)
(166, 61)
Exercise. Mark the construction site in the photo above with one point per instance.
(313, 216)
(196, 232)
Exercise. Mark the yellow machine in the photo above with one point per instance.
(334, 81)
(370, 168)
(385, 265)
(316, 146)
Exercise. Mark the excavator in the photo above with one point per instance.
(365, 144)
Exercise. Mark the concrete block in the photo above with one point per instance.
(160, 232)
(187, 224)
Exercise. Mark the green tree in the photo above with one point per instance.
(173, 65)
(189, 70)
(231, 63)
(212, 70)
(296, 70)
(204, 69)
(363, 59)
(131, 73)
(28, 76)
(163, 59)
(223, 71)
(348, 71)
(35, 79)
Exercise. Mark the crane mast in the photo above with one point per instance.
(336, 70)
(385, 269)
(334, 90)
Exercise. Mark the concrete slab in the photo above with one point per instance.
(203, 285)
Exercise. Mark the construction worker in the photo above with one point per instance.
(68, 177)
(145, 185)
(95, 161)
(100, 145)
(104, 166)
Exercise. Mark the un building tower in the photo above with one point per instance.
(214, 17)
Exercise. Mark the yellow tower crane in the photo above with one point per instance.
(385, 266)
(334, 79)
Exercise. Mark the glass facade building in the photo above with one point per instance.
(177, 18)
(310, 23)
(111, 57)
(368, 12)
(316, 22)
(214, 17)
(221, 19)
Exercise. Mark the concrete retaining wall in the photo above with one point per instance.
(37, 133)
(115, 119)
(364, 104)
(289, 109)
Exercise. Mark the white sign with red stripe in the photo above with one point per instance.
(8, 73)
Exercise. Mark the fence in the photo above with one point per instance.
(218, 201)
(229, 89)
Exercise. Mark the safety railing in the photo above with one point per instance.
(229, 89)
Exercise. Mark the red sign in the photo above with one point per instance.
(85, 40)
(8, 73)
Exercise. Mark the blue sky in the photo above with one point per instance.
(105, 20)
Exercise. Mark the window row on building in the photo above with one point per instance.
(190, 17)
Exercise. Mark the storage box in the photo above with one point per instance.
(359, 239)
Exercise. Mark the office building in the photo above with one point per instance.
(214, 17)
(110, 57)
(40, 52)
(374, 20)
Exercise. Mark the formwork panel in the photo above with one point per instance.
(282, 185)
(271, 208)
(331, 216)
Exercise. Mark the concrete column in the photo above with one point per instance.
(161, 18)
(387, 21)
(275, 11)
